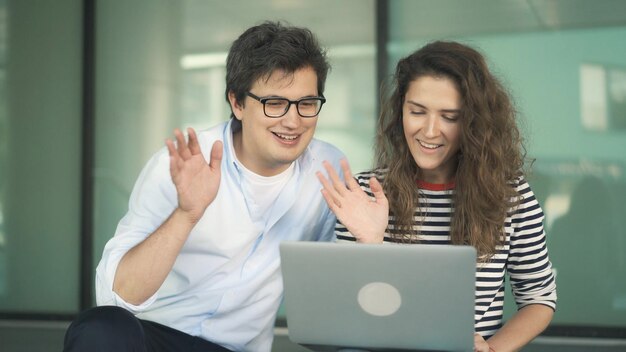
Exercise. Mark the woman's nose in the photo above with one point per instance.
(432, 126)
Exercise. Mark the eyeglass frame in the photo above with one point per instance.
(263, 100)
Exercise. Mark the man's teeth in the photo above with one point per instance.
(289, 138)
(428, 145)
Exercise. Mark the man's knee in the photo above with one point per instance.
(105, 328)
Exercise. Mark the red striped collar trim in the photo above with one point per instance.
(436, 186)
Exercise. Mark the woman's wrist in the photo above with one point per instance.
(370, 241)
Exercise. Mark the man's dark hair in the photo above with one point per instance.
(268, 47)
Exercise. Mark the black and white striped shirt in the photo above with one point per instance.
(523, 256)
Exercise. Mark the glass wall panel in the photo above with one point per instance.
(166, 69)
(566, 69)
(4, 127)
(137, 99)
(40, 143)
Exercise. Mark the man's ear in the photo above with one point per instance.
(235, 106)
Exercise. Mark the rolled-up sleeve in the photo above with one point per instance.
(151, 202)
(529, 267)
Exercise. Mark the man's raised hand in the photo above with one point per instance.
(196, 181)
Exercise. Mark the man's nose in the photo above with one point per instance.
(292, 118)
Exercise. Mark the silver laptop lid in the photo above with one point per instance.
(416, 297)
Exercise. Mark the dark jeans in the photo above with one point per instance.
(109, 328)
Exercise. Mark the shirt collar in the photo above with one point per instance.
(436, 186)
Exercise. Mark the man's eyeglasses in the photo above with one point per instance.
(278, 107)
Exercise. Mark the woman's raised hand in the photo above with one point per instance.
(365, 217)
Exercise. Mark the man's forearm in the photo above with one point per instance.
(142, 270)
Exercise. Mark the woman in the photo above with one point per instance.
(449, 171)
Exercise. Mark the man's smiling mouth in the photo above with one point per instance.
(286, 137)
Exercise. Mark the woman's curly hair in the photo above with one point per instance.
(490, 158)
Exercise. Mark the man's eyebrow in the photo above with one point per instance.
(273, 96)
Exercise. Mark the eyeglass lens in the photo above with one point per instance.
(306, 107)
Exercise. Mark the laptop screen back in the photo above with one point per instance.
(379, 296)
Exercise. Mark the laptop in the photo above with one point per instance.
(367, 297)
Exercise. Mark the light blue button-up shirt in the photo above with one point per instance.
(225, 285)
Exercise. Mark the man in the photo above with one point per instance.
(194, 264)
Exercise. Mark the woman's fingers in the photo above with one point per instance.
(350, 181)
(377, 189)
(328, 191)
(480, 345)
(338, 184)
(347, 174)
(333, 204)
